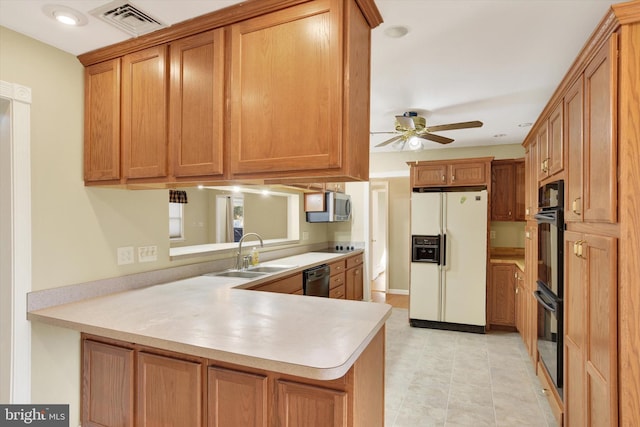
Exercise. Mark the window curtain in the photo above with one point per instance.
(177, 196)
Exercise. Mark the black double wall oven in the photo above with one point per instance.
(549, 292)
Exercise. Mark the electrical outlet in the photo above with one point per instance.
(305, 235)
(147, 253)
(125, 255)
(492, 234)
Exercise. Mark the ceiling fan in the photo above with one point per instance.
(412, 128)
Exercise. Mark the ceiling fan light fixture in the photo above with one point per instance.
(65, 15)
(415, 144)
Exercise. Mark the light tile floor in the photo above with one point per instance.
(443, 378)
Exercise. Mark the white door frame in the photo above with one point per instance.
(15, 242)
(380, 187)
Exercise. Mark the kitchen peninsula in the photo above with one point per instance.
(231, 355)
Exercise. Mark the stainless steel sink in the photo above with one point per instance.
(243, 274)
(271, 268)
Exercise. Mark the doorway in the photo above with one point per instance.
(15, 243)
(379, 232)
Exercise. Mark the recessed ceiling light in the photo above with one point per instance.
(525, 125)
(396, 31)
(64, 15)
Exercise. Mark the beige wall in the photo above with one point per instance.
(399, 234)
(507, 234)
(76, 230)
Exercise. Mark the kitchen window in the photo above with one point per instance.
(176, 221)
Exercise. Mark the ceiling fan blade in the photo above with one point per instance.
(405, 122)
(452, 126)
(379, 133)
(436, 138)
(389, 141)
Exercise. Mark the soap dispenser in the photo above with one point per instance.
(255, 257)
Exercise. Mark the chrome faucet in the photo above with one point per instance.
(239, 264)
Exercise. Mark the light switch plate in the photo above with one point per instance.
(125, 255)
(147, 253)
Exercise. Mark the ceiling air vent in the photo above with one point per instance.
(127, 17)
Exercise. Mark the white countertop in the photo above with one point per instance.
(208, 316)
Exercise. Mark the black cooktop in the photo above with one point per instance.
(340, 249)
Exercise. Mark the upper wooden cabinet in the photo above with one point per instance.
(531, 181)
(507, 190)
(286, 98)
(550, 145)
(196, 128)
(102, 121)
(145, 106)
(600, 155)
(451, 173)
(285, 117)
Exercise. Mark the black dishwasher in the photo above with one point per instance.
(315, 281)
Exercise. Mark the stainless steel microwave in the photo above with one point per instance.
(337, 208)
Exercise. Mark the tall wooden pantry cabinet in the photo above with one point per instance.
(593, 120)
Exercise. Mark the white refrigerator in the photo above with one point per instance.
(451, 294)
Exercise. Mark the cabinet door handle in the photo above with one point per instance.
(453, 177)
(574, 205)
(443, 178)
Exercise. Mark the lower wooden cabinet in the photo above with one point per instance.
(530, 336)
(301, 405)
(236, 398)
(521, 303)
(502, 296)
(174, 390)
(590, 320)
(107, 385)
(354, 282)
(286, 285)
(337, 287)
(168, 391)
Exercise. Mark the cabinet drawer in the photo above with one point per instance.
(336, 281)
(354, 261)
(337, 292)
(337, 267)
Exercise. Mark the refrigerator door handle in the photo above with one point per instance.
(443, 250)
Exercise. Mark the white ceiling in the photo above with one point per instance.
(497, 61)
